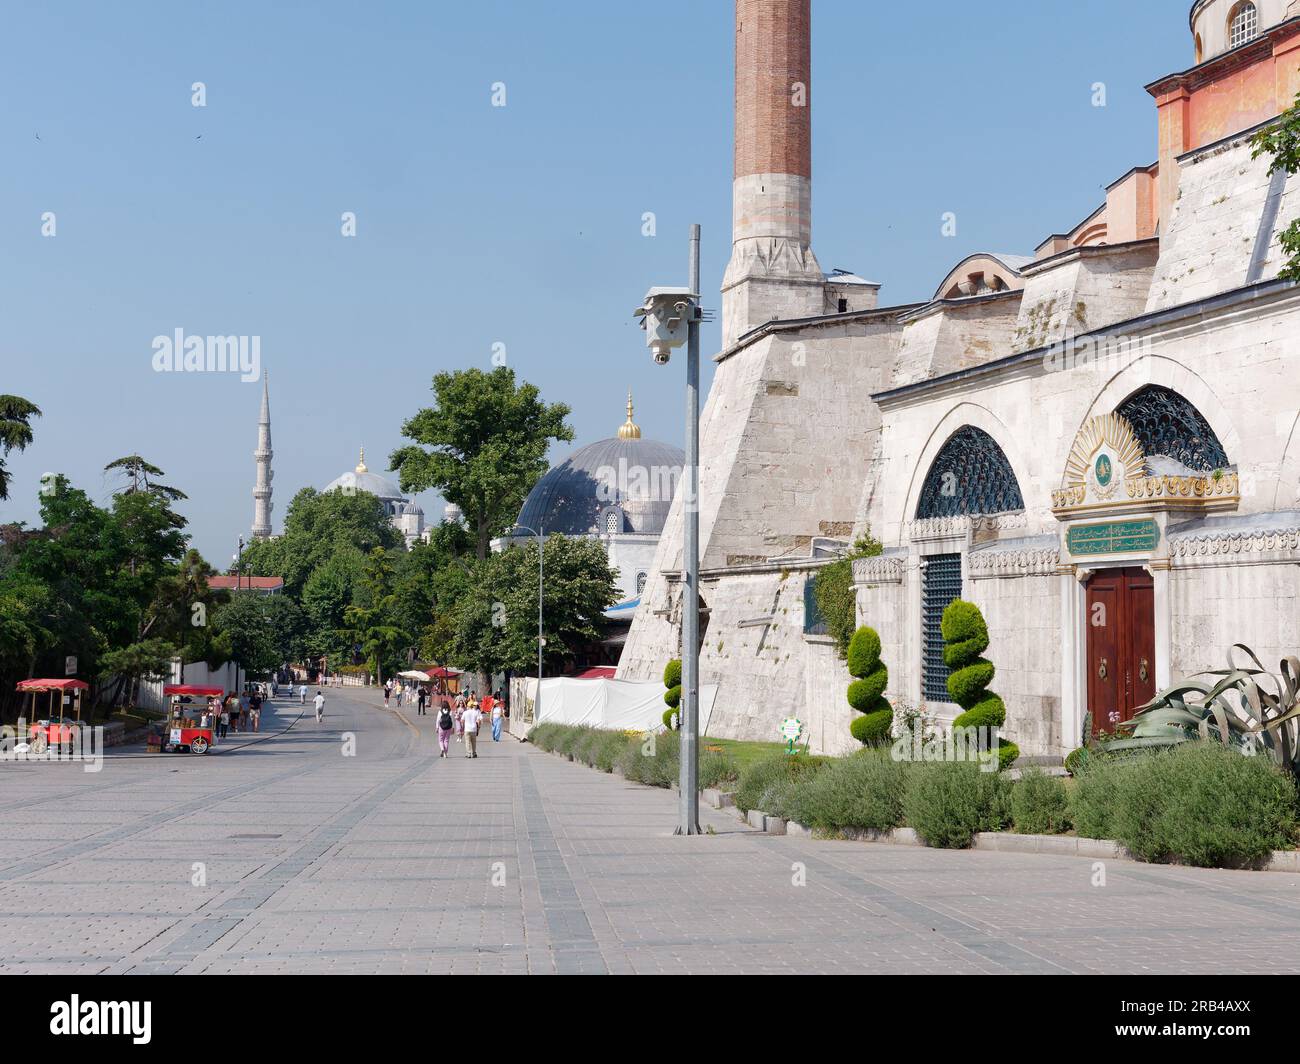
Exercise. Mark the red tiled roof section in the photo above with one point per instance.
(246, 583)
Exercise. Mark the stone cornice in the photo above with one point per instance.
(879, 570)
(1267, 545)
(988, 564)
(964, 526)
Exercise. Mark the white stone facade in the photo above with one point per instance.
(825, 428)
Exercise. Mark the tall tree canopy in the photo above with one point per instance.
(16, 414)
(496, 623)
(320, 529)
(482, 445)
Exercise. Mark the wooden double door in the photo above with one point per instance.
(1121, 626)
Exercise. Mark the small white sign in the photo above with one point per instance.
(176, 736)
(70, 665)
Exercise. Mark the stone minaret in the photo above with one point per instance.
(262, 492)
(773, 273)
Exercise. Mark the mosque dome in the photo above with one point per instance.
(620, 485)
(361, 479)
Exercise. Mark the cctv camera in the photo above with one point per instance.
(661, 357)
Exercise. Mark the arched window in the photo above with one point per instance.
(640, 584)
(1243, 25)
(613, 522)
(1200, 49)
(970, 475)
(1169, 426)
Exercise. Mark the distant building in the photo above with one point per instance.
(263, 585)
(617, 491)
(404, 515)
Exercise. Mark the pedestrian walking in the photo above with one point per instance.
(421, 699)
(302, 694)
(223, 721)
(319, 703)
(471, 719)
(497, 714)
(445, 725)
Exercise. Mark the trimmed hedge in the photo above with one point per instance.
(862, 792)
(948, 802)
(777, 770)
(1198, 804)
(1040, 804)
(606, 750)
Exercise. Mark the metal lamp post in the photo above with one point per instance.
(541, 640)
(671, 318)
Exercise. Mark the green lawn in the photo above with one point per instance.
(743, 753)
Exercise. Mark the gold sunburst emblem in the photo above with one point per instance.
(1105, 454)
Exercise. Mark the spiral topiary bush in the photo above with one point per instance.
(672, 681)
(668, 716)
(866, 693)
(967, 637)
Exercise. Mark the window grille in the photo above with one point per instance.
(940, 584)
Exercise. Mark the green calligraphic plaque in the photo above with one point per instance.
(1115, 537)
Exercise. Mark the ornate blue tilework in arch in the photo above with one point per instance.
(970, 475)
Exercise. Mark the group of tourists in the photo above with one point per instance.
(464, 717)
(240, 712)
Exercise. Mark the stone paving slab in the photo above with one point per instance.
(520, 862)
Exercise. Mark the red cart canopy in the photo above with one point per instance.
(52, 685)
(186, 689)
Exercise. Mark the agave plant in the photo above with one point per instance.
(1245, 707)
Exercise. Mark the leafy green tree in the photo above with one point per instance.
(371, 623)
(483, 446)
(262, 631)
(1282, 141)
(182, 610)
(496, 627)
(149, 659)
(322, 528)
(16, 414)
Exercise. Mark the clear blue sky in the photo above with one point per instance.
(477, 225)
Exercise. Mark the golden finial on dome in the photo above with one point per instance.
(629, 429)
(361, 465)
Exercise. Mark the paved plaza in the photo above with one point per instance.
(284, 855)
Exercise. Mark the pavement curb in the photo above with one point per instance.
(1002, 842)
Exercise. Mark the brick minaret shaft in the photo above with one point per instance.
(263, 454)
(773, 272)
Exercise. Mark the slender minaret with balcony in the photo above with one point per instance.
(262, 491)
(773, 273)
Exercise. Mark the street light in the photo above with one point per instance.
(671, 317)
(541, 640)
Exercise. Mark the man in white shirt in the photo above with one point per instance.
(470, 719)
(319, 703)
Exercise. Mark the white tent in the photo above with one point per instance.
(614, 704)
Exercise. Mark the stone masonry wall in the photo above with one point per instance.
(1223, 207)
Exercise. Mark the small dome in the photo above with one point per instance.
(637, 476)
(361, 479)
